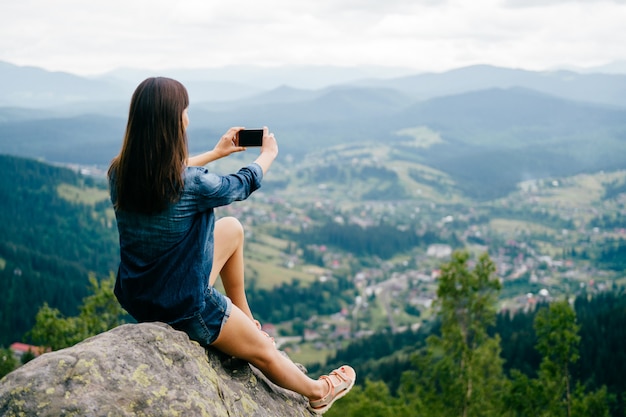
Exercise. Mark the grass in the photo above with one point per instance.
(424, 191)
(422, 136)
(548, 249)
(378, 316)
(308, 353)
(87, 196)
(265, 261)
(270, 275)
(512, 228)
(583, 191)
(578, 191)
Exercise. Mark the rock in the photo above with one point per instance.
(146, 369)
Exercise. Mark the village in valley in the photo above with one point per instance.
(544, 239)
(541, 240)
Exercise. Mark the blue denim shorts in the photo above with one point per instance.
(206, 325)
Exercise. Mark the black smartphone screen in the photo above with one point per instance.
(251, 137)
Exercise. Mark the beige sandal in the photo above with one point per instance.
(340, 382)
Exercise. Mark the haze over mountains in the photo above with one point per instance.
(492, 124)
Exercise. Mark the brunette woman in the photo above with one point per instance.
(172, 249)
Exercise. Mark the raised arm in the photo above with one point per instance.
(269, 151)
(224, 147)
(228, 144)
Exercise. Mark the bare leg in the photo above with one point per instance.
(240, 338)
(228, 261)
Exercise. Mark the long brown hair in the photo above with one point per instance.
(148, 171)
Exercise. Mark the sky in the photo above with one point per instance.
(94, 37)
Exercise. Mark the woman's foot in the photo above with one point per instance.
(340, 382)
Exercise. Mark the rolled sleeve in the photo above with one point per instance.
(215, 190)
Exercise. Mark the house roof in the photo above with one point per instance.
(22, 348)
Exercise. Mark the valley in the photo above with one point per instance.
(377, 182)
(544, 239)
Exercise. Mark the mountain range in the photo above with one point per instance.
(494, 124)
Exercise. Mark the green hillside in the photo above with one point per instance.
(85, 139)
(56, 227)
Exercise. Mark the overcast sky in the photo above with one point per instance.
(93, 37)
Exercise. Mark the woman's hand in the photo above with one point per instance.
(269, 145)
(269, 150)
(228, 143)
(224, 147)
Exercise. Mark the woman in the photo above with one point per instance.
(172, 249)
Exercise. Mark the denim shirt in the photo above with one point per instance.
(166, 258)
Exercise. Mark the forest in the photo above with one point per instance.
(560, 359)
(365, 242)
(59, 246)
(49, 244)
(563, 358)
(600, 317)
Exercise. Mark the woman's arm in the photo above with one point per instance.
(202, 159)
(224, 147)
(227, 145)
(269, 151)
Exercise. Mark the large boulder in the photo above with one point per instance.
(146, 369)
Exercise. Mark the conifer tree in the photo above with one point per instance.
(99, 312)
(552, 393)
(460, 372)
(7, 362)
(557, 341)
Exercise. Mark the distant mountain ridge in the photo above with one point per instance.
(497, 125)
(593, 87)
(498, 108)
(33, 87)
(36, 87)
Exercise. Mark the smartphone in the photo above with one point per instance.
(251, 137)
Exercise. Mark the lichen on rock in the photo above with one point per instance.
(146, 369)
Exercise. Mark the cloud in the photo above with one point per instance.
(543, 3)
(93, 37)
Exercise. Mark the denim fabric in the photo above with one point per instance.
(204, 328)
(166, 258)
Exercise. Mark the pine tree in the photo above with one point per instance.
(460, 372)
(7, 362)
(99, 312)
(557, 341)
(551, 393)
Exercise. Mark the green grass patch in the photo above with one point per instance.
(265, 262)
(513, 228)
(309, 353)
(269, 275)
(547, 248)
(579, 191)
(87, 196)
(422, 136)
